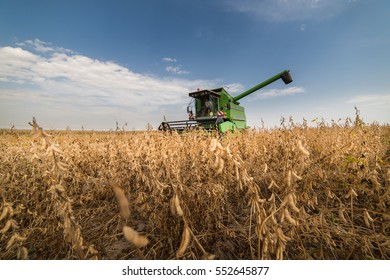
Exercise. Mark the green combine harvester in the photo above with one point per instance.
(217, 110)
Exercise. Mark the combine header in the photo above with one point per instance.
(217, 110)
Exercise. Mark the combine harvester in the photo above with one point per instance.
(217, 110)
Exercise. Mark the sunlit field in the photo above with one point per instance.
(294, 192)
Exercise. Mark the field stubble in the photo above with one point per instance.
(289, 193)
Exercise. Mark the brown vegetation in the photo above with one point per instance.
(289, 193)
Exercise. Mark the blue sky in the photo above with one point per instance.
(92, 63)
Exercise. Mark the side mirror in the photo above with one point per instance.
(286, 77)
(189, 109)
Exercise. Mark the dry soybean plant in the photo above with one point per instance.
(296, 192)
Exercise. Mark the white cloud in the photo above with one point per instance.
(235, 88)
(16, 64)
(176, 70)
(169, 59)
(273, 93)
(373, 99)
(289, 10)
(42, 47)
(57, 78)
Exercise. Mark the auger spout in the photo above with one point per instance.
(284, 75)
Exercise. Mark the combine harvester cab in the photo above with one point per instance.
(217, 110)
